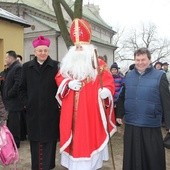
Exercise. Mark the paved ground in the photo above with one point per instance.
(117, 145)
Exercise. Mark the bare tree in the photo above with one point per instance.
(144, 37)
(116, 41)
(77, 13)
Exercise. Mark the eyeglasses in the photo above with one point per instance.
(42, 51)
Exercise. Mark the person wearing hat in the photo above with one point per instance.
(119, 82)
(158, 65)
(84, 120)
(38, 90)
(131, 67)
(165, 66)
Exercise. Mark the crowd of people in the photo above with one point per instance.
(80, 101)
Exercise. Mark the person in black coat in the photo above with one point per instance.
(23, 123)
(37, 91)
(10, 95)
(2, 78)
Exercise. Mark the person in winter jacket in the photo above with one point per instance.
(143, 101)
(11, 97)
(118, 78)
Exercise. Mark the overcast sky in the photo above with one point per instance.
(131, 13)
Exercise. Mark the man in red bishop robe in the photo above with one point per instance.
(85, 92)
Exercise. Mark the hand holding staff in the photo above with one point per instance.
(101, 86)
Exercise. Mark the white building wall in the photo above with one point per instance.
(100, 33)
(62, 48)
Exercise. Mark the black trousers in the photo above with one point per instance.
(23, 125)
(13, 124)
(43, 155)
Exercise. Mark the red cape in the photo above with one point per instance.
(83, 130)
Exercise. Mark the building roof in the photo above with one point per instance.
(90, 11)
(55, 27)
(5, 15)
(51, 24)
(37, 4)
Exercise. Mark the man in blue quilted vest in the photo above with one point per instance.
(145, 98)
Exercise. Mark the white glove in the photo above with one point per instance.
(104, 93)
(74, 85)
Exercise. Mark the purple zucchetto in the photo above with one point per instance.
(41, 40)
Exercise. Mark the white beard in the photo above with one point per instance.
(78, 64)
